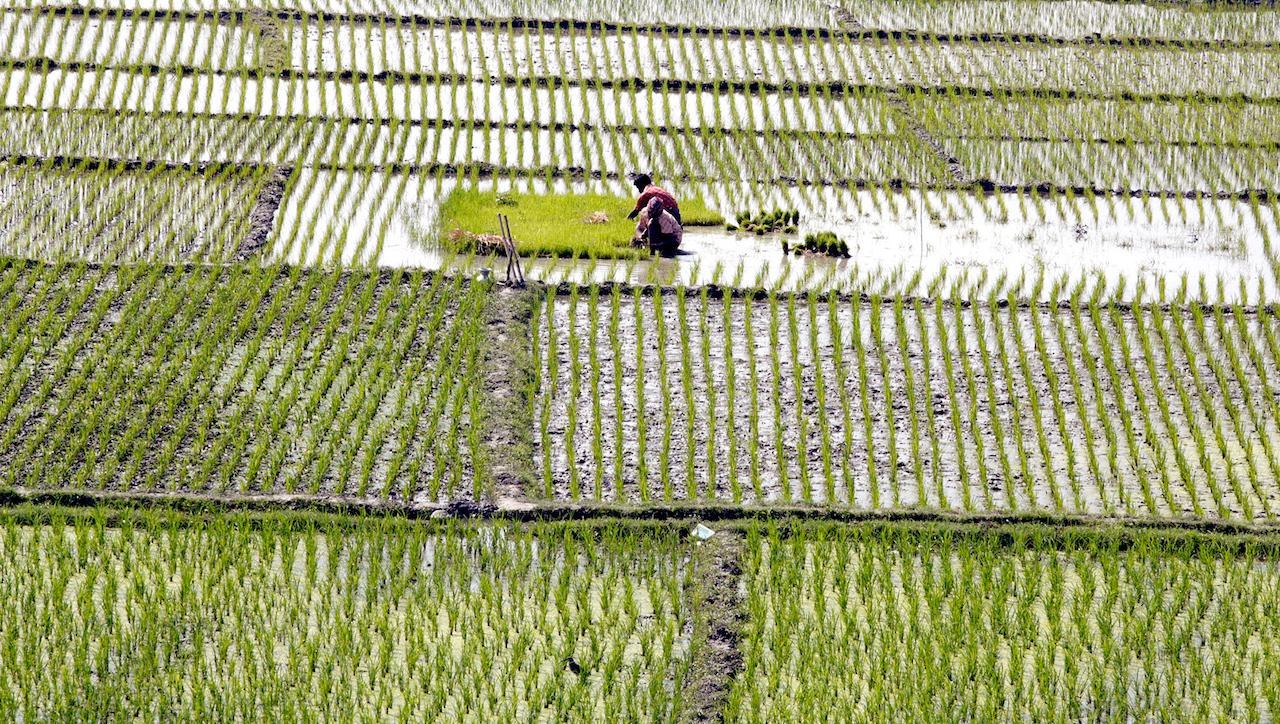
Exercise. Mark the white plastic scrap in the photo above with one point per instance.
(702, 532)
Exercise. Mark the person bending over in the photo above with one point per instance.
(649, 191)
(658, 229)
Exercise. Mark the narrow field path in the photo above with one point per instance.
(957, 169)
(720, 616)
(508, 371)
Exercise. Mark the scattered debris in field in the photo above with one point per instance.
(462, 240)
(702, 532)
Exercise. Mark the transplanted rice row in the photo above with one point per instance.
(940, 624)
(1085, 407)
(244, 379)
(212, 617)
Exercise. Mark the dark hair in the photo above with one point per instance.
(641, 180)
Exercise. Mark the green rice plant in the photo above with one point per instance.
(775, 377)
(641, 420)
(575, 394)
(891, 423)
(1250, 344)
(842, 387)
(1243, 437)
(917, 458)
(1032, 398)
(997, 426)
(1097, 378)
(754, 404)
(929, 399)
(820, 393)
(954, 401)
(686, 383)
(731, 402)
(664, 372)
(712, 455)
(597, 424)
(1002, 625)
(1140, 398)
(1210, 412)
(335, 595)
(615, 345)
(860, 354)
(1054, 383)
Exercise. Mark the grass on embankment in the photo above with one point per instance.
(555, 224)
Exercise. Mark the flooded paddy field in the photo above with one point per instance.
(661, 395)
(960, 398)
(959, 170)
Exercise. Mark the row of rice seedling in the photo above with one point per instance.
(244, 379)
(408, 44)
(1083, 404)
(1163, 168)
(434, 55)
(114, 213)
(735, 13)
(855, 623)
(436, 133)
(1127, 23)
(115, 38)
(454, 116)
(226, 617)
(1178, 121)
(985, 20)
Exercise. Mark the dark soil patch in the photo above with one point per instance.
(718, 622)
(263, 214)
(508, 370)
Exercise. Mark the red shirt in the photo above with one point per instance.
(653, 191)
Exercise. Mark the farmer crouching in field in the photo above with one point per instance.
(660, 226)
(658, 229)
(649, 190)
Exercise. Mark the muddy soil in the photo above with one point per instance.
(1111, 449)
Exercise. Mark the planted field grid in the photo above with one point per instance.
(342, 376)
(223, 618)
(241, 380)
(945, 626)
(1080, 405)
(377, 109)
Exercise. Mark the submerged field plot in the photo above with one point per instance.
(865, 117)
(960, 398)
(977, 404)
(1035, 215)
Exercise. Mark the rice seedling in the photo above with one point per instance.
(329, 596)
(937, 623)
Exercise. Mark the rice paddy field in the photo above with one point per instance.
(969, 359)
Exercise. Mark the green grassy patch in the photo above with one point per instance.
(555, 224)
